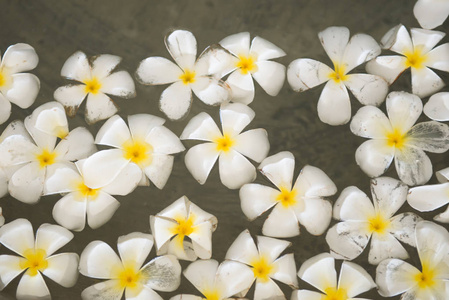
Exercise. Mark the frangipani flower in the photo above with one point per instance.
(301, 204)
(431, 13)
(395, 276)
(81, 202)
(363, 221)
(250, 62)
(437, 108)
(179, 220)
(264, 261)
(217, 282)
(418, 54)
(146, 144)
(334, 107)
(431, 197)
(320, 272)
(125, 273)
(17, 87)
(36, 258)
(396, 137)
(229, 146)
(95, 81)
(37, 155)
(186, 75)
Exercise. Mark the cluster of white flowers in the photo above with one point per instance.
(41, 156)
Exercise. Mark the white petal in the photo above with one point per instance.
(41, 139)
(164, 141)
(383, 247)
(135, 247)
(425, 39)
(428, 197)
(78, 144)
(9, 269)
(24, 90)
(235, 117)
(114, 132)
(16, 149)
(3, 188)
(314, 209)
(63, 269)
(253, 144)
(200, 159)
(27, 183)
(17, 236)
(334, 107)
(71, 96)
(20, 57)
(430, 14)
(211, 90)
(413, 166)
(442, 175)
(268, 290)
(70, 212)
(5, 109)
(355, 278)
(394, 276)
(238, 43)
(215, 61)
(235, 170)
(334, 40)
(161, 229)
(99, 107)
(243, 249)
(281, 223)
(265, 50)
(271, 76)
(279, 169)
(201, 273)
(432, 243)
(256, 199)
(61, 180)
(286, 270)
(402, 227)
(125, 182)
(202, 240)
(370, 122)
(387, 67)
(438, 58)
(437, 108)
(233, 278)
(425, 82)
(388, 195)
(306, 295)
(442, 217)
(104, 64)
(119, 84)
(52, 237)
(76, 67)
(160, 169)
(313, 182)
(360, 49)
(242, 87)
(144, 294)
(141, 124)
(176, 100)
(429, 136)
(201, 127)
(51, 119)
(304, 73)
(98, 260)
(101, 210)
(157, 70)
(32, 287)
(347, 240)
(186, 297)
(397, 39)
(368, 89)
(374, 157)
(182, 46)
(319, 271)
(103, 290)
(353, 205)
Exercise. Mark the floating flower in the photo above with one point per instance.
(179, 220)
(264, 261)
(363, 221)
(217, 282)
(303, 204)
(320, 272)
(81, 202)
(431, 197)
(95, 81)
(250, 62)
(17, 87)
(437, 108)
(229, 146)
(334, 107)
(417, 53)
(431, 13)
(396, 137)
(186, 75)
(36, 154)
(146, 144)
(125, 273)
(395, 276)
(36, 258)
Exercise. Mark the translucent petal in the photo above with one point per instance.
(32, 287)
(428, 197)
(281, 223)
(176, 100)
(304, 73)
(9, 269)
(432, 243)
(355, 278)
(235, 117)
(353, 205)
(265, 50)
(24, 90)
(63, 269)
(383, 247)
(142, 124)
(211, 90)
(135, 247)
(52, 237)
(413, 166)
(119, 84)
(425, 39)
(387, 67)
(106, 290)
(429, 136)
(243, 249)
(271, 76)
(235, 170)
(319, 271)
(242, 87)
(253, 144)
(370, 122)
(397, 39)
(164, 141)
(334, 40)
(114, 132)
(425, 82)
(104, 64)
(374, 157)
(360, 49)
(388, 195)
(314, 209)
(27, 183)
(279, 169)
(200, 159)
(160, 169)
(313, 182)
(98, 260)
(182, 46)
(237, 44)
(20, 57)
(157, 70)
(70, 212)
(394, 276)
(437, 108)
(438, 58)
(78, 144)
(71, 96)
(347, 240)
(99, 107)
(201, 127)
(256, 199)
(17, 236)
(368, 89)
(334, 107)
(431, 14)
(76, 67)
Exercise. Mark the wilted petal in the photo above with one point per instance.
(394, 276)
(70, 212)
(157, 70)
(119, 84)
(63, 269)
(319, 271)
(334, 107)
(388, 67)
(353, 205)
(98, 260)
(256, 199)
(104, 64)
(235, 170)
(360, 49)
(355, 279)
(413, 166)
(388, 195)
(370, 122)
(135, 247)
(279, 169)
(182, 46)
(281, 223)
(429, 136)
(383, 247)
(368, 89)
(17, 236)
(106, 290)
(9, 269)
(313, 182)
(374, 157)
(201, 127)
(304, 74)
(425, 82)
(160, 169)
(99, 107)
(237, 44)
(270, 75)
(176, 100)
(235, 117)
(334, 40)
(428, 197)
(253, 144)
(164, 141)
(52, 237)
(20, 57)
(314, 209)
(32, 287)
(242, 87)
(114, 132)
(215, 61)
(437, 108)
(397, 39)
(76, 67)
(347, 240)
(24, 90)
(211, 90)
(200, 159)
(71, 96)
(431, 14)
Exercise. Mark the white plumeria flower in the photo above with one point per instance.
(334, 107)
(250, 62)
(301, 204)
(125, 273)
(264, 261)
(36, 154)
(320, 272)
(186, 75)
(363, 221)
(431, 197)
(96, 80)
(437, 108)
(418, 54)
(179, 220)
(146, 144)
(2, 218)
(81, 202)
(396, 137)
(217, 282)
(36, 258)
(17, 87)
(431, 13)
(229, 146)
(395, 276)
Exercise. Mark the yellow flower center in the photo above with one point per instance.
(378, 224)
(46, 158)
(339, 73)
(396, 138)
(188, 77)
(93, 86)
(87, 192)
(35, 260)
(224, 143)
(184, 228)
(415, 59)
(212, 294)
(287, 197)
(335, 294)
(129, 277)
(247, 64)
(139, 152)
(426, 278)
(262, 269)
(5, 78)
